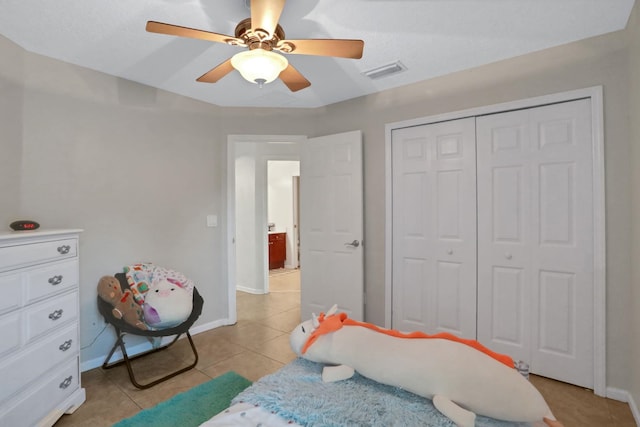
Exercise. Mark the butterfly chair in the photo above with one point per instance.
(122, 328)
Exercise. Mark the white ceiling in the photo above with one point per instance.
(430, 37)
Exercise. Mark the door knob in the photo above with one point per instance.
(508, 255)
(450, 251)
(354, 244)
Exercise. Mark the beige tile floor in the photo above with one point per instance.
(258, 345)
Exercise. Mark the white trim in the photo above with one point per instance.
(634, 409)
(232, 140)
(599, 261)
(251, 290)
(139, 348)
(599, 244)
(624, 396)
(231, 229)
(618, 394)
(388, 225)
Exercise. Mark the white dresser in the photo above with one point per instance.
(39, 327)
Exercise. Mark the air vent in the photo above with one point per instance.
(385, 70)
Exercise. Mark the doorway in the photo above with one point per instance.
(247, 208)
(283, 225)
(282, 214)
(332, 217)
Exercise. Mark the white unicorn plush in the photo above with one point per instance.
(461, 377)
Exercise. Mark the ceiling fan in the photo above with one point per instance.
(262, 35)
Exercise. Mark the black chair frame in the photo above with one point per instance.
(122, 328)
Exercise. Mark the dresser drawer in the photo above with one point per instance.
(50, 314)
(22, 255)
(12, 333)
(35, 404)
(11, 291)
(19, 369)
(44, 281)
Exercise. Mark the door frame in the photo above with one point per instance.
(595, 93)
(296, 221)
(232, 141)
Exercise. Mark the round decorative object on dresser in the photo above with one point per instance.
(23, 225)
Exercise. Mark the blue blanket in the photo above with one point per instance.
(296, 392)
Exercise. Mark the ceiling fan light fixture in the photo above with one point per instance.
(259, 66)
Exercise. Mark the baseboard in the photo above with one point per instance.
(618, 394)
(250, 290)
(625, 396)
(634, 409)
(145, 346)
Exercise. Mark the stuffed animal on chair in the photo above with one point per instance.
(124, 306)
(461, 377)
(167, 304)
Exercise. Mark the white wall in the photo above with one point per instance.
(249, 261)
(11, 110)
(137, 168)
(280, 196)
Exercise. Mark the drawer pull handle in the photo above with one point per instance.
(66, 345)
(64, 249)
(56, 314)
(66, 383)
(55, 280)
(353, 244)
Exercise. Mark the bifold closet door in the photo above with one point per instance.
(535, 238)
(434, 228)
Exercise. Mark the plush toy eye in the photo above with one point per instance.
(303, 331)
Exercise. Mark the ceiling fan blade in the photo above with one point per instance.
(293, 79)
(216, 73)
(265, 15)
(176, 30)
(323, 47)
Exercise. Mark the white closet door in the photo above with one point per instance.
(535, 238)
(434, 228)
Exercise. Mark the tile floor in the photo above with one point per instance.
(258, 345)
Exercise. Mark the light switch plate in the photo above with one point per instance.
(212, 220)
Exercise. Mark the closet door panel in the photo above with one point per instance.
(507, 325)
(434, 257)
(507, 221)
(504, 217)
(450, 287)
(412, 252)
(562, 171)
(538, 220)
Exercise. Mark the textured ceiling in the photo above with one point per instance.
(429, 37)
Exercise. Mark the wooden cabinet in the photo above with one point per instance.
(39, 317)
(277, 250)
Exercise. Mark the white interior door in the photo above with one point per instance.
(535, 238)
(331, 226)
(434, 228)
